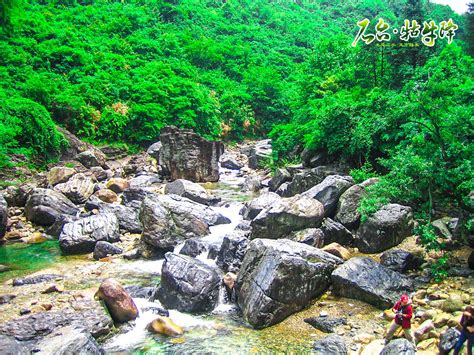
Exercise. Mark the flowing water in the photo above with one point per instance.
(221, 331)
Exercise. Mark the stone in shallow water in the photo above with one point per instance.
(165, 326)
(36, 279)
(326, 324)
(118, 301)
(188, 284)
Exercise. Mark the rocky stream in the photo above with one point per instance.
(193, 248)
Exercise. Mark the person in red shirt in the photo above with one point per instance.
(403, 314)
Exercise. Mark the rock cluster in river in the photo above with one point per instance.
(296, 240)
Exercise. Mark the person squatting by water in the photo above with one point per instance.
(403, 313)
(467, 332)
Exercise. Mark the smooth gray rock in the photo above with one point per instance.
(191, 190)
(288, 215)
(103, 249)
(399, 347)
(80, 237)
(45, 205)
(232, 251)
(185, 155)
(188, 284)
(331, 345)
(364, 279)
(329, 191)
(144, 180)
(69, 340)
(385, 229)
(255, 206)
(3, 216)
(280, 277)
(168, 220)
(78, 188)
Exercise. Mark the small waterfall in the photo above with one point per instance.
(226, 302)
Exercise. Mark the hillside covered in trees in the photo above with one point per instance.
(118, 72)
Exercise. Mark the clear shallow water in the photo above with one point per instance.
(24, 259)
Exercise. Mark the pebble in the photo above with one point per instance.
(323, 314)
(24, 311)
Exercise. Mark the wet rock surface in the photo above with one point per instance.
(326, 324)
(118, 301)
(168, 220)
(188, 285)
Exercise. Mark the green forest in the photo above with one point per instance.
(119, 71)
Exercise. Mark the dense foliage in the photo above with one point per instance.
(119, 71)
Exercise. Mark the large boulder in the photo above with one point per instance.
(331, 345)
(399, 347)
(154, 150)
(45, 205)
(229, 162)
(329, 191)
(188, 284)
(16, 196)
(335, 232)
(80, 236)
(185, 155)
(137, 194)
(191, 190)
(259, 153)
(59, 174)
(232, 251)
(255, 206)
(68, 340)
(347, 208)
(118, 301)
(386, 228)
(168, 220)
(366, 280)
(3, 216)
(400, 260)
(127, 216)
(286, 216)
(78, 188)
(280, 277)
(303, 180)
